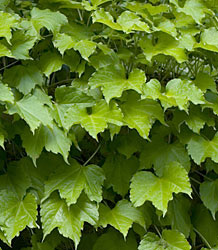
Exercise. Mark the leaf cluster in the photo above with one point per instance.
(108, 124)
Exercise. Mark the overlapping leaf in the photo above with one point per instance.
(71, 180)
(68, 220)
(170, 240)
(159, 189)
(113, 81)
(121, 217)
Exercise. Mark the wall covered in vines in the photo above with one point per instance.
(108, 124)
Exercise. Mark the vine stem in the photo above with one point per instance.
(202, 237)
(60, 82)
(198, 182)
(156, 228)
(90, 158)
(209, 179)
(8, 65)
(80, 16)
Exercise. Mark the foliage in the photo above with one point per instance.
(108, 126)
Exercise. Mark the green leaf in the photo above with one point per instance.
(53, 139)
(166, 45)
(16, 213)
(21, 45)
(170, 240)
(178, 93)
(141, 114)
(97, 121)
(72, 95)
(46, 18)
(121, 216)
(113, 81)
(196, 9)
(86, 48)
(69, 220)
(32, 111)
(50, 62)
(63, 42)
(159, 189)
(24, 78)
(118, 171)
(159, 153)
(178, 214)
(129, 21)
(166, 26)
(199, 149)
(141, 8)
(96, 3)
(123, 146)
(204, 224)
(71, 180)
(106, 18)
(205, 82)
(3, 238)
(209, 195)
(195, 120)
(6, 94)
(15, 181)
(5, 51)
(7, 22)
(114, 240)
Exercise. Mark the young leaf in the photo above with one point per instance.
(199, 149)
(159, 189)
(178, 93)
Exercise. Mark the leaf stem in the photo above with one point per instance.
(8, 65)
(60, 82)
(90, 158)
(198, 182)
(80, 16)
(209, 179)
(202, 237)
(156, 228)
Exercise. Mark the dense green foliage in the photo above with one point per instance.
(108, 124)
